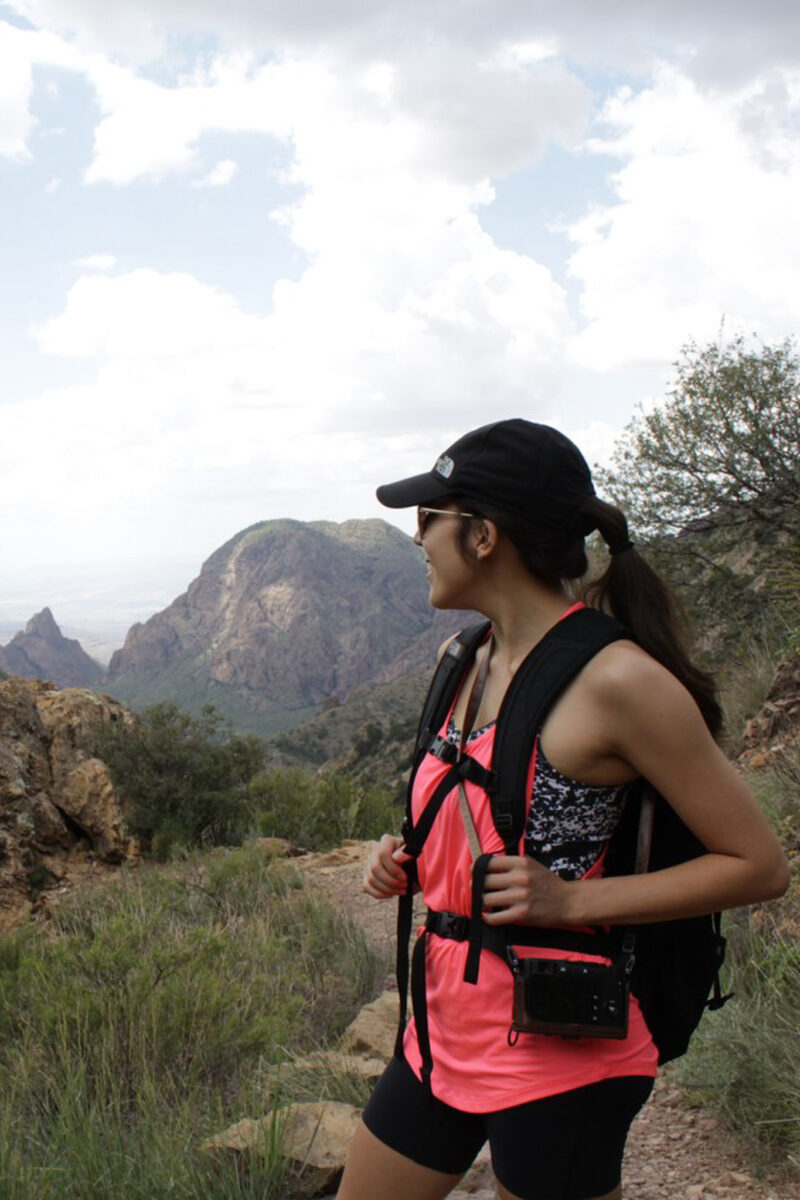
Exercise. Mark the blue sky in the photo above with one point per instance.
(257, 258)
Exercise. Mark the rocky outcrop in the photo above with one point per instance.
(42, 652)
(775, 729)
(55, 799)
(285, 618)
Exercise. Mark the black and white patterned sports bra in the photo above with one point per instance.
(563, 811)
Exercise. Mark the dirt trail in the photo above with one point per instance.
(674, 1152)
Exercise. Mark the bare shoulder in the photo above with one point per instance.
(627, 682)
(623, 668)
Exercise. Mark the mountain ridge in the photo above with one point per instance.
(285, 618)
(41, 651)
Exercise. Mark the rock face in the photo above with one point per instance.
(285, 618)
(775, 729)
(53, 796)
(42, 652)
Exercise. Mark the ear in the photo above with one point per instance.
(485, 538)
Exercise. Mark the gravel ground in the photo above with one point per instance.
(675, 1152)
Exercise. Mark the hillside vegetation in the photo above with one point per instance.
(154, 1014)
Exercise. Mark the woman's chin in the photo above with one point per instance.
(437, 598)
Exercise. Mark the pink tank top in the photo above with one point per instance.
(474, 1067)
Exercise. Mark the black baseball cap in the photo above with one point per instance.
(530, 470)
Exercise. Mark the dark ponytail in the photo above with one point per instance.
(632, 591)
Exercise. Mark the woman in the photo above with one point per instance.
(502, 520)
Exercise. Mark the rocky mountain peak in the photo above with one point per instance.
(43, 625)
(42, 652)
(283, 618)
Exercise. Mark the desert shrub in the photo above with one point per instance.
(745, 1059)
(319, 811)
(184, 779)
(368, 741)
(147, 1020)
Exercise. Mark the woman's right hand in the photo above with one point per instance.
(384, 876)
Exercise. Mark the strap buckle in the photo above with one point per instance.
(445, 751)
(448, 925)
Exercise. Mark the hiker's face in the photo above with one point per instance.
(448, 571)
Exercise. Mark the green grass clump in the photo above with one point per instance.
(150, 1018)
(318, 812)
(744, 684)
(745, 1059)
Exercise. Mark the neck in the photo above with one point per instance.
(519, 621)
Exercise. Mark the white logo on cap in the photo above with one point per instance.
(444, 466)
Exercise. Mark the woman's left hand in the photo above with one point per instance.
(520, 891)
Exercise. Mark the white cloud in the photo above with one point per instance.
(145, 316)
(220, 175)
(704, 222)
(21, 50)
(408, 323)
(16, 82)
(397, 323)
(96, 262)
(722, 42)
(449, 114)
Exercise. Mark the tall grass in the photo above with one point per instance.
(744, 683)
(148, 1018)
(745, 1059)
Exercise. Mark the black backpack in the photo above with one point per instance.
(676, 963)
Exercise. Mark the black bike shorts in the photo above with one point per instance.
(563, 1147)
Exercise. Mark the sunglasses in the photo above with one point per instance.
(426, 515)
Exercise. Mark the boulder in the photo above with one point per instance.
(86, 794)
(314, 1137)
(54, 797)
(48, 824)
(373, 1032)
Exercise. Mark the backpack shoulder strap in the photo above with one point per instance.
(541, 678)
(450, 670)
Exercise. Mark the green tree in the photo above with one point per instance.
(184, 779)
(724, 447)
(717, 466)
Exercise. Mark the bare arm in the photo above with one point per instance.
(648, 721)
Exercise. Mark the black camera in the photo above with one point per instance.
(572, 999)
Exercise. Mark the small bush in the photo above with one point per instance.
(319, 811)
(184, 779)
(745, 1060)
